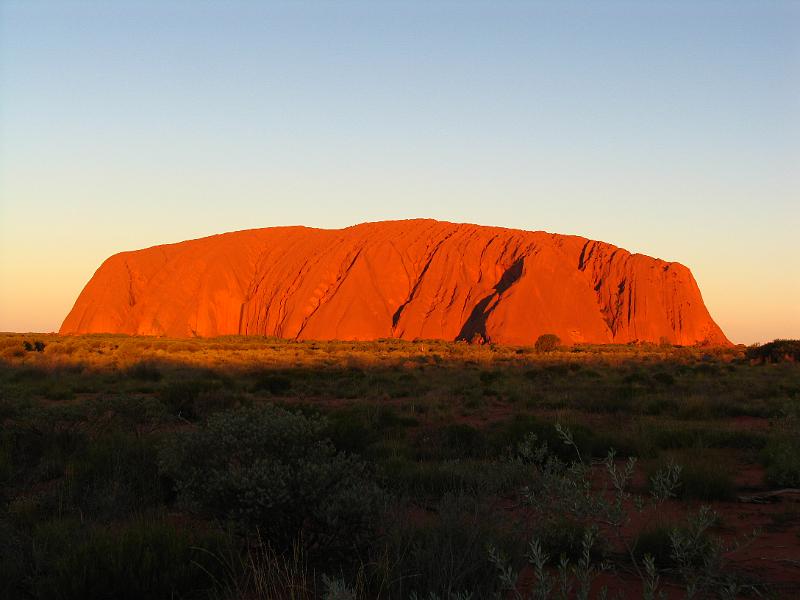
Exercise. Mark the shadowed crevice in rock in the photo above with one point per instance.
(476, 322)
(418, 282)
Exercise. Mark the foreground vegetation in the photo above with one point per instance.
(259, 468)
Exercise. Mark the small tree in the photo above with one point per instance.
(37, 346)
(547, 342)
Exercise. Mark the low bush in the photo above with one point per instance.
(145, 559)
(505, 435)
(181, 397)
(444, 554)
(59, 390)
(669, 436)
(775, 351)
(655, 541)
(270, 470)
(562, 537)
(145, 371)
(707, 481)
(664, 378)
(37, 346)
(272, 383)
(457, 440)
(387, 419)
(114, 475)
(38, 451)
(547, 342)
(660, 406)
(435, 479)
(703, 475)
(782, 460)
(30, 373)
(487, 378)
(348, 431)
(612, 401)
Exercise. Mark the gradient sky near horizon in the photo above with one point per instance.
(667, 128)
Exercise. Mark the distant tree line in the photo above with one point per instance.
(775, 351)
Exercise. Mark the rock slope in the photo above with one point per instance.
(402, 279)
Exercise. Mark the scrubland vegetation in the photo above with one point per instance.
(258, 468)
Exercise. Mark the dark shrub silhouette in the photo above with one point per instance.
(775, 351)
(270, 470)
(547, 342)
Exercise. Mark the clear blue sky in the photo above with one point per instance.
(668, 128)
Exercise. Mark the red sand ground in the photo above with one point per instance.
(404, 279)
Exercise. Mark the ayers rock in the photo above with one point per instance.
(402, 279)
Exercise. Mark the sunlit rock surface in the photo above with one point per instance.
(403, 279)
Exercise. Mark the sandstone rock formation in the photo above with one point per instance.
(403, 279)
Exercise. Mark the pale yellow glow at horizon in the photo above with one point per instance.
(44, 265)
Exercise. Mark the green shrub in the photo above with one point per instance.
(59, 390)
(348, 431)
(611, 401)
(272, 383)
(547, 342)
(781, 453)
(445, 556)
(505, 435)
(6, 462)
(15, 560)
(637, 378)
(537, 375)
(459, 440)
(272, 470)
(775, 351)
(38, 451)
(782, 459)
(181, 397)
(435, 479)
(217, 399)
(664, 378)
(655, 540)
(706, 481)
(140, 560)
(669, 436)
(114, 475)
(702, 476)
(624, 443)
(561, 536)
(386, 419)
(489, 377)
(559, 369)
(29, 373)
(127, 413)
(707, 368)
(145, 371)
(660, 406)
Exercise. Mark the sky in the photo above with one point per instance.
(666, 128)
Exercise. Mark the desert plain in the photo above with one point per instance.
(255, 467)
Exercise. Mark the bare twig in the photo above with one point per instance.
(768, 496)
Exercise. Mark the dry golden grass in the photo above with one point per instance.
(235, 352)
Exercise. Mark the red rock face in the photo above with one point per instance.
(403, 279)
